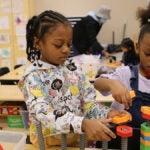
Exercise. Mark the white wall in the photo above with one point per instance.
(123, 12)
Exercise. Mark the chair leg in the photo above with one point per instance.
(40, 135)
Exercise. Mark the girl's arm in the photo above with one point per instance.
(118, 90)
(104, 84)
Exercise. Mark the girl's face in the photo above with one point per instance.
(55, 45)
(143, 49)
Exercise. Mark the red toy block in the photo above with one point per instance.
(124, 131)
(146, 116)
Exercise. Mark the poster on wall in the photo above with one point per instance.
(20, 19)
(5, 52)
(6, 6)
(21, 43)
(4, 23)
(6, 63)
(17, 6)
(22, 60)
(4, 38)
(21, 30)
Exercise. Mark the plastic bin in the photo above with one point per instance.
(25, 118)
(12, 140)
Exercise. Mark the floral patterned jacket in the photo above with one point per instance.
(59, 97)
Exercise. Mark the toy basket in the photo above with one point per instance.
(12, 140)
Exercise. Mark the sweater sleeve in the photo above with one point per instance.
(91, 108)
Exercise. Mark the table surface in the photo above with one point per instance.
(29, 147)
(9, 146)
(10, 93)
(13, 93)
(14, 75)
(19, 72)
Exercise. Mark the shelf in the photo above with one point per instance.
(4, 125)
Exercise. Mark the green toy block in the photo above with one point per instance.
(145, 128)
(144, 147)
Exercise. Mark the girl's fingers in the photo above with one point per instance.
(126, 100)
(105, 121)
(108, 132)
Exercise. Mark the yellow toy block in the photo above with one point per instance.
(132, 94)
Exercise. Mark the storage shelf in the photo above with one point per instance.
(4, 125)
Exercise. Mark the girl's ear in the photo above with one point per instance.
(36, 42)
(137, 48)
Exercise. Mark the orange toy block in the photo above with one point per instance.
(132, 94)
(121, 119)
(145, 110)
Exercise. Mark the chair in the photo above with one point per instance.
(74, 20)
(4, 70)
(17, 66)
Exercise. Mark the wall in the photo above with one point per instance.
(123, 12)
(14, 15)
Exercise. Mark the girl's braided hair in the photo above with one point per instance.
(37, 26)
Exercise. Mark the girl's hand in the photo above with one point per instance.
(97, 130)
(121, 94)
(107, 55)
(120, 113)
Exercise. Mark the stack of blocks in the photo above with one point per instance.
(145, 129)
